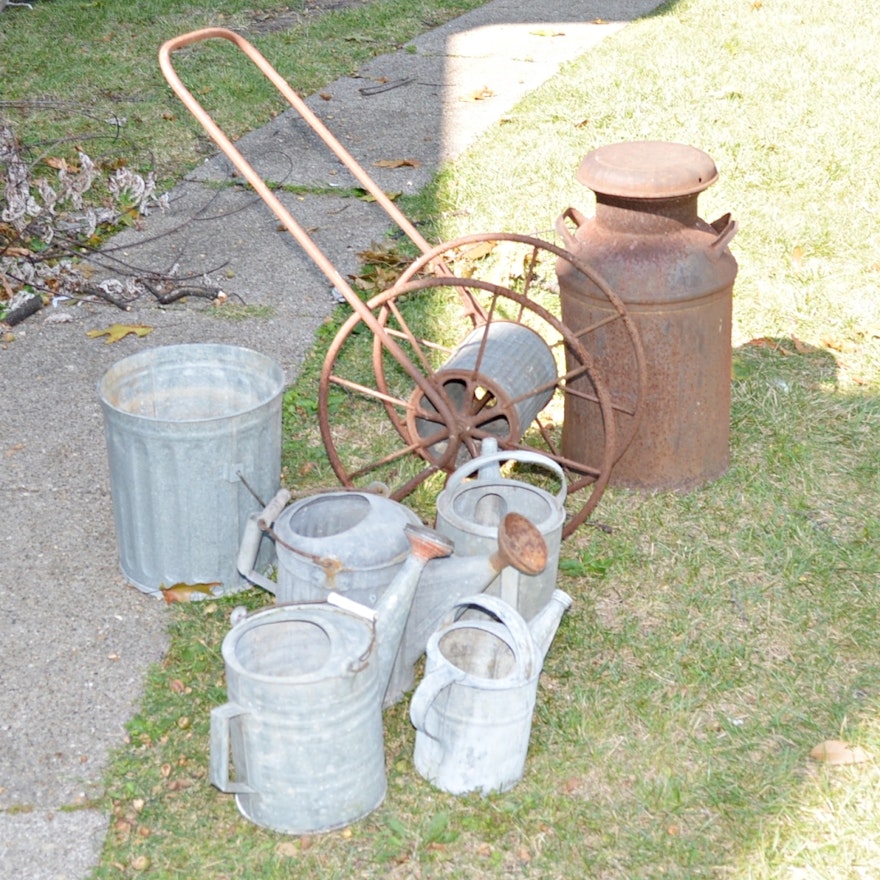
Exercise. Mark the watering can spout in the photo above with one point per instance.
(520, 546)
(544, 624)
(394, 607)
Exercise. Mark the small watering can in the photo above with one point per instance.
(473, 709)
(354, 543)
(304, 716)
(470, 510)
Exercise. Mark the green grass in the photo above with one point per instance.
(73, 69)
(716, 636)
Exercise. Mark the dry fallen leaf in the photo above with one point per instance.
(367, 197)
(17, 252)
(470, 254)
(767, 342)
(803, 347)
(60, 164)
(482, 94)
(835, 752)
(836, 344)
(115, 332)
(397, 163)
(186, 592)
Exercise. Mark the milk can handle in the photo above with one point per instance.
(430, 687)
(520, 455)
(577, 218)
(219, 768)
(726, 229)
(509, 617)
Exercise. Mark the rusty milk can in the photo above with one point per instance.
(675, 275)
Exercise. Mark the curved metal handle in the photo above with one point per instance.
(430, 687)
(219, 766)
(509, 617)
(251, 539)
(577, 218)
(297, 103)
(520, 455)
(726, 229)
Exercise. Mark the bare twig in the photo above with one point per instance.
(29, 307)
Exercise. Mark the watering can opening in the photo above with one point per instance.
(283, 649)
(489, 509)
(478, 652)
(473, 502)
(325, 516)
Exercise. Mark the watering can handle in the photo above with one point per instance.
(430, 687)
(219, 769)
(509, 617)
(255, 527)
(520, 455)
(577, 218)
(247, 554)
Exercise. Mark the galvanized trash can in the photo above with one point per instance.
(516, 370)
(186, 426)
(675, 274)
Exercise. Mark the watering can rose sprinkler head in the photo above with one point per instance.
(426, 544)
(520, 545)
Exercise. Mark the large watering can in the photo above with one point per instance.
(354, 543)
(303, 719)
(473, 709)
(470, 510)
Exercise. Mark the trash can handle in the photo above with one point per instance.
(219, 766)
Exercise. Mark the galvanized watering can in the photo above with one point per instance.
(470, 510)
(304, 716)
(354, 543)
(473, 709)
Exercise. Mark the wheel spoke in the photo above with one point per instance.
(442, 400)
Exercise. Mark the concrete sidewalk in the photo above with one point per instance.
(77, 640)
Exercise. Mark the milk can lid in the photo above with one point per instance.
(647, 170)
